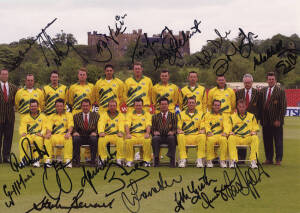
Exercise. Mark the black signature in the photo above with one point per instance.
(168, 48)
(240, 183)
(132, 203)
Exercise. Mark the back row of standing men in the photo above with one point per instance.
(268, 105)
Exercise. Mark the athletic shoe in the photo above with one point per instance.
(209, 164)
(129, 164)
(120, 162)
(36, 164)
(68, 163)
(147, 164)
(199, 163)
(137, 156)
(232, 164)
(48, 163)
(223, 164)
(182, 163)
(253, 164)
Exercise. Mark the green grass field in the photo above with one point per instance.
(278, 194)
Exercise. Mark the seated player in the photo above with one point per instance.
(32, 128)
(111, 130)
(137, 128)
(242, 129)
(59, 130)
(214, 126)
(191, 132)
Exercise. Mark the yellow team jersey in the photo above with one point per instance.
(79, 92)
(226, 96)
(198, 93)
(138, 123)
(23, 97)
(242, 126)
(170, 91)
(32, 125)
(59, 124)
(138, 89)
(51, 94)
(214, 123)
(190, 124)
(104, 91)
(111, 125)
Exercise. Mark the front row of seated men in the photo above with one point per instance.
(190, 127)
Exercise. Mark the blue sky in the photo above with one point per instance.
(20, 19)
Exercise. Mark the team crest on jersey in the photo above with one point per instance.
(143, 83)
(196, 119)
(65, 119)
(143, 119)
(60, 91)
(171, 90)
(35, 95)
(87, 90)
(116, 120)
(39, 120)
(114, 85)
(248, 121)
(226, 95)
(197, 93)
(221, 119)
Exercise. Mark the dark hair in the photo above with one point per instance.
(271, 74)
(193, 72)
(113, 100)
(59, 100)
(164, 71)
(137, 63)
(29, 74)
(54, 72)
(163, 99)
(138, 100)
(241, 101)
(215, 100)
(192, 98)
(86, 100)
(108, 65)
(33, 101)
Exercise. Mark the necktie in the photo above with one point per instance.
(164, 118)
(86, 122)
(247, 98)
(5, 93)
(268, 98)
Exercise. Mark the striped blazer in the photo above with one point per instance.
(79, 123)
(7, 108)
(253, 104)
(157, 123)
(276, 109)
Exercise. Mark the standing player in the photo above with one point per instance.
(165, 90)
(78, 92)
(193, 90)
(224, 94)
(24, 95)
(108, 88)
(54, 91)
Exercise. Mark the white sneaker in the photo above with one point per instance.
(48, 163)
(36, 164)
(68, 163)
(129, 164)
(232, 164)
(137, 156)
(182, 163)
(199, 163)
(223, 164)
(120, 162)
(253, 165)
(147, 164)
(209, 164)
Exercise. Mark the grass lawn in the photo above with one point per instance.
(279, 193)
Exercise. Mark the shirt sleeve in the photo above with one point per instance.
(23, 125)
(121, 123)
(232, 100)
(204, 101)
(210, 99)
(101, 124)
(70, 120)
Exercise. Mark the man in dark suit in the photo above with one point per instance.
(164, 125)
(7, 115)
(272, 109)
(85, 132)
(250, 95)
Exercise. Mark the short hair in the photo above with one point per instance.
(29, 74)
(139, 100)
(33, 101)
(241, 101)
(59, 100)
(113, 100)
(192, 98)
(164, 71)
(215, 100)
(86, 100)
(163, 99)
(137, 63)
(218, 76)
(54, 72)
(193, 72)
(248, 76)
(83, 69)
(271, 74)
(108, 65)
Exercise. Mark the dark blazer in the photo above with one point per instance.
(7, 108)
(79, 123)
(276, 109)
(157, 123)
(253, 104)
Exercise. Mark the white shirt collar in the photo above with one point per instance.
(162, 114)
